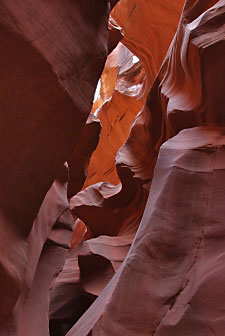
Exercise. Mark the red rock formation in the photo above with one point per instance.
(68, 301)
(152, 268)
(47, 240)
(114, 35)
(172, 279)
(117, 210)
(148, 27)
(164, 286)
(82, 154)
(116, 108)
(52, 56)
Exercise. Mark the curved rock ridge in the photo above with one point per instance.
(148, 27)
(166, 284)
(47, 245)
(150, 47)
(117, 210)
(68, 301)
(180, 97)
(113, 217)
(112, 202)
(167, 264)
(115, 34)
(186, 96)
(116, 108)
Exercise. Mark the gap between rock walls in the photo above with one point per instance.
(112, 168)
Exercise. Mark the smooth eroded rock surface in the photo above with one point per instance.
(165, 285)
(52, 56)
(112, 173)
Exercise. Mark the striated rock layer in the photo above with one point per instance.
(147, 252)
(52, 56)
(173, 263)
(171, 282)
(112, 212)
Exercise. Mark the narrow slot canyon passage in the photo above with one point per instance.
(112, 172)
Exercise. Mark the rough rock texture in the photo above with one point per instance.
(52, 56)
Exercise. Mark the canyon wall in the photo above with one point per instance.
(112, 203)
(165, 285)
(52, 56)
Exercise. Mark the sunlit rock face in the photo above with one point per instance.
(120, 99)
(113, 170)
(149, 27)
(112, 211)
